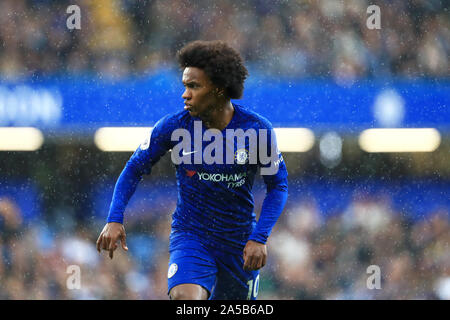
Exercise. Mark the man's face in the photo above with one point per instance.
(200, 95)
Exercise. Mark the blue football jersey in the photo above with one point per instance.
(215, 200)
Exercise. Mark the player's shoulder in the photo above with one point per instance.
(174, 120)
(253, 117)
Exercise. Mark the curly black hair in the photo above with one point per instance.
(221, 63)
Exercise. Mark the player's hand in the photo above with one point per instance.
(112, 232)
(255, 255)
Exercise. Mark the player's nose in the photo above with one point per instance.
(186, 94)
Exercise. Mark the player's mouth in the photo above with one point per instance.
(188, 107)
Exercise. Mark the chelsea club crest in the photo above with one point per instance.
(241, 156)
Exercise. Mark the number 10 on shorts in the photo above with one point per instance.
(253, 286)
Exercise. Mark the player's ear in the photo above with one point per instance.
(220, 92)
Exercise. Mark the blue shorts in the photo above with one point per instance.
(220, 273)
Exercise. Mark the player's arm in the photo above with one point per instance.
(255, 251)
(140, 163)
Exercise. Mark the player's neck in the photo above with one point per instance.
(219, 117)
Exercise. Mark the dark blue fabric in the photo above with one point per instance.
(215, 201)
(220, 273)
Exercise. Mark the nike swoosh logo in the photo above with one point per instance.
(186, 153)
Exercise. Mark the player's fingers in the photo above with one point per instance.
(264, 260)
(244, 266)
(112, 247)
(99, 243)
(105, 243)
(257, 263)
(112, 244)
(260, 262)
(248, 263)
(123, 241)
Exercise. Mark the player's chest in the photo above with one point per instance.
(229, 150)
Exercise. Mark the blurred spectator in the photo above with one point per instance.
(120, 38)
(309, 258)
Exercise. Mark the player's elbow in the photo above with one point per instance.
(281, 186)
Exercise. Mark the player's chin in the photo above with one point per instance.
(191, 111)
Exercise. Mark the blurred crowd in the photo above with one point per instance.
(298, 38)
(309, 257)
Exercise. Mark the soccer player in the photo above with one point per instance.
(216, 245)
